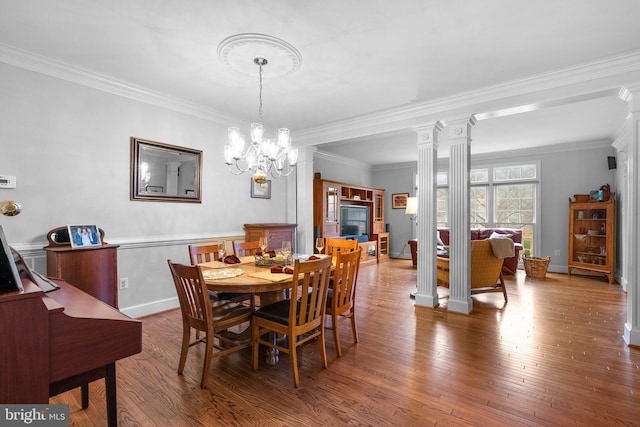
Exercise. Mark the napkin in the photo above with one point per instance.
(231, 259)
(313, 257)
(281, 269)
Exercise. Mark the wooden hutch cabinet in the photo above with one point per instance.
(328, 199)
(275, 232)
(93, 269)
(592, 237)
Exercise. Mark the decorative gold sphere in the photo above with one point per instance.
(260, 177)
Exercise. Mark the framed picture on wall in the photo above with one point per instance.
(261, 191)
(84, 236)
(399, 200)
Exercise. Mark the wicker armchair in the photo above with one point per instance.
(486, 270)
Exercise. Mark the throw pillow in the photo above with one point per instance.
(496, 235)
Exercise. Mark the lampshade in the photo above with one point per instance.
(412, 206)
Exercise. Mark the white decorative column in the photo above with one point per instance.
(427, 294)
(459, 212)
(632, 212)
(300, 200)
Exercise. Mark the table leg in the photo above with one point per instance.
(267, 298)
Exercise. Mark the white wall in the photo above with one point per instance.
(68, 145)
(342, 170)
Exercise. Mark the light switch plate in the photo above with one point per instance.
(7, 181)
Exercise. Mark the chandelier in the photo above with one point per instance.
(263, 155)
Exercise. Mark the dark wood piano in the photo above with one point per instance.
(56, 341)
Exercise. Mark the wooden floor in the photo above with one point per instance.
(552, 356)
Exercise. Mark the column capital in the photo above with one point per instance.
(631, 94)
(461, 127)
(428, 133)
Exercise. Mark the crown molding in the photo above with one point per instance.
(595, 73)
(341, 159)
(609, 73)
(51, 67)
(524, 152)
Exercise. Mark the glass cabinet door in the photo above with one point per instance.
(332, 203)
(590, 236)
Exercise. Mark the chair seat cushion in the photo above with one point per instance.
(329, 297)
(223, 296)
(230, 295)
(277, 312)
(225, 310)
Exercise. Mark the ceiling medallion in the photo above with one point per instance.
(238, 52)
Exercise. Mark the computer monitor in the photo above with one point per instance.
(9, 276)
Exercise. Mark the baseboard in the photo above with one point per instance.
(150, 308)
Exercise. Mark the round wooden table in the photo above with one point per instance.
(246, 282)
(270, 291)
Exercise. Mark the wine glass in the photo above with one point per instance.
(221, 251)
(286, 250)
(319, 244)
(264, 243)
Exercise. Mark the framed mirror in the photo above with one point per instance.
(163, 172)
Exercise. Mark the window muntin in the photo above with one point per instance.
(514, 173)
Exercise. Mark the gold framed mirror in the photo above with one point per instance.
(164, 172)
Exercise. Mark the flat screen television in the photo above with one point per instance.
(354, 222)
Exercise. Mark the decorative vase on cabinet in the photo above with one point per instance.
(592, 237)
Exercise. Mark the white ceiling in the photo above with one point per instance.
(362, 59)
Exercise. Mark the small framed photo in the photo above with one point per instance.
(399, 200)
(84, 236)
(261, 191)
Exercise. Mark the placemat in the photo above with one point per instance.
(273, 277)
(215, 264)
(221, 273)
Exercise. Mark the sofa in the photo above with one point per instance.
(509, 266)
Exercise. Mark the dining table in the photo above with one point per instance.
(248, 277)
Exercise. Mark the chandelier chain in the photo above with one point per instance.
(260, 107)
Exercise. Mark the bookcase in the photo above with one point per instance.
(592, 237)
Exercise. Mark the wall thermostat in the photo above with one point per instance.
(7, 181)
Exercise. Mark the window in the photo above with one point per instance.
(500, 196)
(442, 195)
(478, 206)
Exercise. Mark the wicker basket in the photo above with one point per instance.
(536, 267)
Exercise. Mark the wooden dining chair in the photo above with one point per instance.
(333, 246)
(341, 297)
(300, 317)
(202, 314)
(207, 253)
(241, 249)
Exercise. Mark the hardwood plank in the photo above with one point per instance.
(552, 356)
